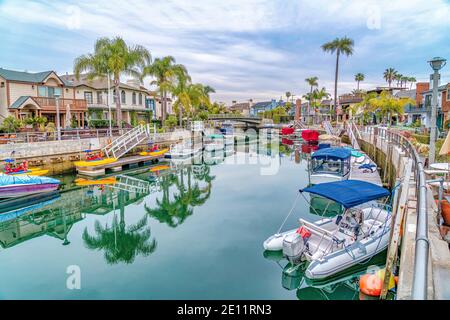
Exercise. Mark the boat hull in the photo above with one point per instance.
(16, 191)
(155, 153)
(94, 163)
(325, 177)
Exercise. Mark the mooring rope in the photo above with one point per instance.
(290, 212)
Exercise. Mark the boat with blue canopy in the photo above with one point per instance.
(333, 244)
(330, 164)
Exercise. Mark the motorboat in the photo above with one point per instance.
(19, 186)
(331, 245)
(182, 151)
(330, 164)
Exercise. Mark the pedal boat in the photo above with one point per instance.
(332, 245)
(154, 153)
(20, 186)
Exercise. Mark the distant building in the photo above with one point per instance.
(347, 102)
(243, 107)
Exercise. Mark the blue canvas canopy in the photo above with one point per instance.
(10, 180)
(349, 193)
(332, 154)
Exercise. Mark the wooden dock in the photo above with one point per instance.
(119, 165)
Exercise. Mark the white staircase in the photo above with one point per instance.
(351, 129)
(328, 128)
(120, 146)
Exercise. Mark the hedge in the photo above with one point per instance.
(422, 138)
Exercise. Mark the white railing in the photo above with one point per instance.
(131, 184)
(127, 141)
(352, 136)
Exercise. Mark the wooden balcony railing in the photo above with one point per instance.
(49, 104)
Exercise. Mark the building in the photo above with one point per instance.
(269, 105)
(421, 111)
(243, 107)
(136, 101)
(347, 103)
(25, 94)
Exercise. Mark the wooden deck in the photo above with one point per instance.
(119, 165)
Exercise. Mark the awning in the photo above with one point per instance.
(332, 153)
(349, 193)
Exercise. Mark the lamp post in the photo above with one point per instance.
(58, 124)
(436, 64)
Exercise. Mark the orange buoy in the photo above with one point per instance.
(370, 284)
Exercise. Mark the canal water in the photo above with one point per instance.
(178, 230)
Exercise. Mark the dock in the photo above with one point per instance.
(119, 165)
(359, 174)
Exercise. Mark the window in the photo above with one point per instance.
(134, 98)
(99, 97)
(427, 100)
(123, 97)
(114, 96)
(140, 99)
(49, 92)
(2, 85)
(448, 94)
(88, 97)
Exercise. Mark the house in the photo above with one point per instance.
(347, 103)
(263, 106)
(421, 111)
(25, 94)
(322, 113)
(136, 101)
(243, 107)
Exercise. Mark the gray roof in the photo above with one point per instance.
(261, 104)
(440, 88)
(19, 102)
(23, 76)
(406, 94)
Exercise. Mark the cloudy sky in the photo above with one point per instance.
(243, 48)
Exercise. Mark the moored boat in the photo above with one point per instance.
(154, 153)
(19, 186)
(330, 164)
(331, 245)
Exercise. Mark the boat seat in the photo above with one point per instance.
(372, 225)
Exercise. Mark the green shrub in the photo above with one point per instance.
(422, 138)
(100, 123)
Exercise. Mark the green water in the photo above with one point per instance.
(197, 234)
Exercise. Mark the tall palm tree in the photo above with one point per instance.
(398, 78)
(288, 94)
(358, 78)
(180, 90)
(115, 57)
(208, 90)
(389, 75)
(411, 81)
(165, 71)
(339, 45)
(405, 80)
(312, 82)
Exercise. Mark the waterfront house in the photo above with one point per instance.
(243, 107)
(263, 106)
(136, 101)
(421, 111)
(26, 94)
(347, 102)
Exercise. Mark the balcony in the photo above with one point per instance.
(49, 104)
(350, 98)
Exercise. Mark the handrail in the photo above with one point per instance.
(232, 116)
(420, 273)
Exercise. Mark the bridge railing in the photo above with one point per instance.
(232, 116)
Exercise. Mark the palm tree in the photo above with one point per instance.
(411, 80)
(115, 57)
(358, 78)
(165, 72)
(312, 82)
(339, 45)
(180, 90)
(389, 75)
(398, 78)
(208, 90)
(317, 97)
(405, 80)
(288, 94)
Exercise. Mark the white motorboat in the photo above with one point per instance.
(330, 164)
(331, 245)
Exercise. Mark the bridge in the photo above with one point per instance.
(236, 117)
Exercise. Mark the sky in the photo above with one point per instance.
(244, 49)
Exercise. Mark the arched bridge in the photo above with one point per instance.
(236, 117)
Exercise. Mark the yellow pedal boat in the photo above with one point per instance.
(87, 182)
(94, 163)
(155, 153)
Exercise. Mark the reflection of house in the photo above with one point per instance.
(421, 111)
(269, 105)
(26, 94)
(133, 98)
(322, 113)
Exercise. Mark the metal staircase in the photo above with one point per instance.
(120, 146)
(351, 129)
(328, 128)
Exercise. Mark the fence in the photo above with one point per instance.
(420, 275)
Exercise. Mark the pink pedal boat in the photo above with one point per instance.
(19, 186)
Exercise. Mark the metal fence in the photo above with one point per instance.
(420, 276)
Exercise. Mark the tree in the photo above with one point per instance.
(180, 90)
(171, 122)
(411, 80)
(312, 82)
(115, 57)
(339, 45)
(288, 94)
(11, 124)
(165, 72)
(398, 77)
(389, 75)
(358, 78)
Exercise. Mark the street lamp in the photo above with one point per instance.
(437, 63)
(58, 124)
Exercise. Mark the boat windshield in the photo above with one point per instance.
(328, 166)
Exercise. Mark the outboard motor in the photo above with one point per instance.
(293, 247)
